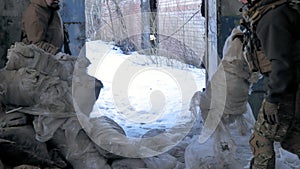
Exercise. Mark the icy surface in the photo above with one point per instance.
(151, 88)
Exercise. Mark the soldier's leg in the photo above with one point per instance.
(291, 141)
(263, 152)
(265, 134)
(262, 146)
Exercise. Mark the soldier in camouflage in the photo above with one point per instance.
(274, 49)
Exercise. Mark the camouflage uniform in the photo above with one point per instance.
(274, 27)
(287, 132)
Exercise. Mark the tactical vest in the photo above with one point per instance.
(254, 53)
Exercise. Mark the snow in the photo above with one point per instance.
(140, 94)
(151, 92)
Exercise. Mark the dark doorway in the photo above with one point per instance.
(153, 23)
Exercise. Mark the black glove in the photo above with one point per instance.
(270, 111)
(14, 119)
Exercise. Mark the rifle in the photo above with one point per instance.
(66, 41)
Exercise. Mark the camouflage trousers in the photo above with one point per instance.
(287, 132)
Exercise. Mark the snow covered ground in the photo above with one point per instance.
(150, 92)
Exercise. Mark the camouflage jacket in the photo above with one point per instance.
(277, 30)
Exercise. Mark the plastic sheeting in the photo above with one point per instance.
(224, 103)
(226, 148)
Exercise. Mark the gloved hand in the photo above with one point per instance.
(270, 111)
(64, 57)
(13, 119)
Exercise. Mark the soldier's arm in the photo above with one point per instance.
(36, 30)
(275, 31)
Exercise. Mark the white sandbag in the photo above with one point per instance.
(200, 156)
(163, 161)
(225, 101)
(30, 56)
(230, 81)
(77, 148)
(28, 87)
(42, 85)
(233, 55)
(128, 164)
(208, 155)
(83, 86)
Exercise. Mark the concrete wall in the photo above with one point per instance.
(10, 24)
(73, 16)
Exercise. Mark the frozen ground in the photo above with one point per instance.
(155, 88)
(150, 92)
